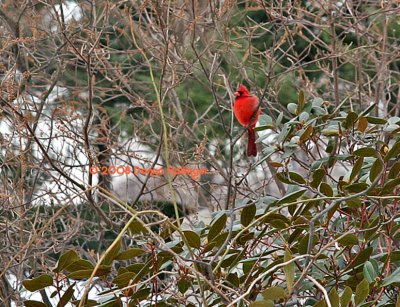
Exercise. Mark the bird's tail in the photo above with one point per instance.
(251, 143)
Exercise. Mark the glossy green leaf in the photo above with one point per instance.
(79, 265)
(192, 238)
(38, 283)
(345, 299)
(376, 169)
(369, 272)
(130, 253)
(300, 102)
(362, 291)
(306, 134)
(393, 152)
(291, 197)
(394, 170)
(317, 177)
(349, 239)
(356, 168)
(366, 152)
(32, 303)
(264, 303)
(297, 178)
(289, 270)
(273, 293)
(376, 120)
(66, 259)
(356, 187)
(217, 227)
(330, 132)
(389, 186)
(248, 214)
(68, 294)
(334, 298)
(136, 227)
(122, 280)
(110, 256)
(183, 285)
(303, 244)
(141, 294)
(331, 145)
(350, 120)
(393, 278)
(326, 189)
(368, 110)
(362, 256)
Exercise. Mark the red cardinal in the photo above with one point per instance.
(247, 110)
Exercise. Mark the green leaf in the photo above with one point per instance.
(192, 238)
(362, 256)
(394, 170)
(65, 260)
(122, 280)
(265, 303)
(317, 177)
(183, 285)
(354, 203)
(38, 283)
(217, 227)
(83, 274)
(334, 298)
(289, 270)
(366, 152)
(376, 169)
(79, 265)
(300, 102)
(306, 134)
(362, 291)
(346, 297)
(348, 240)
(356, 187)
(326, 189)
(273, 293)
(369, 109)
(330, 132)
(30, 303)
(369, 272)
(130, 253)
(297, 178)
(141, 294)
(393, 152)
(393, 278)
(331, 145)
(137, 227)
(248, 214)
(291, 197)
(389, 186)
(110, 256)
(68, 294)
(356, 168)
(303, 244)
(376, 120)
(350, 120)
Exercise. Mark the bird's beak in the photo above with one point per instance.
(236, 94)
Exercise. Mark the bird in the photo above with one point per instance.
(247, 109)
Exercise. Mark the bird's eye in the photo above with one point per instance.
(240, 92)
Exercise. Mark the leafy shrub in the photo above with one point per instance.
(332, 240)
